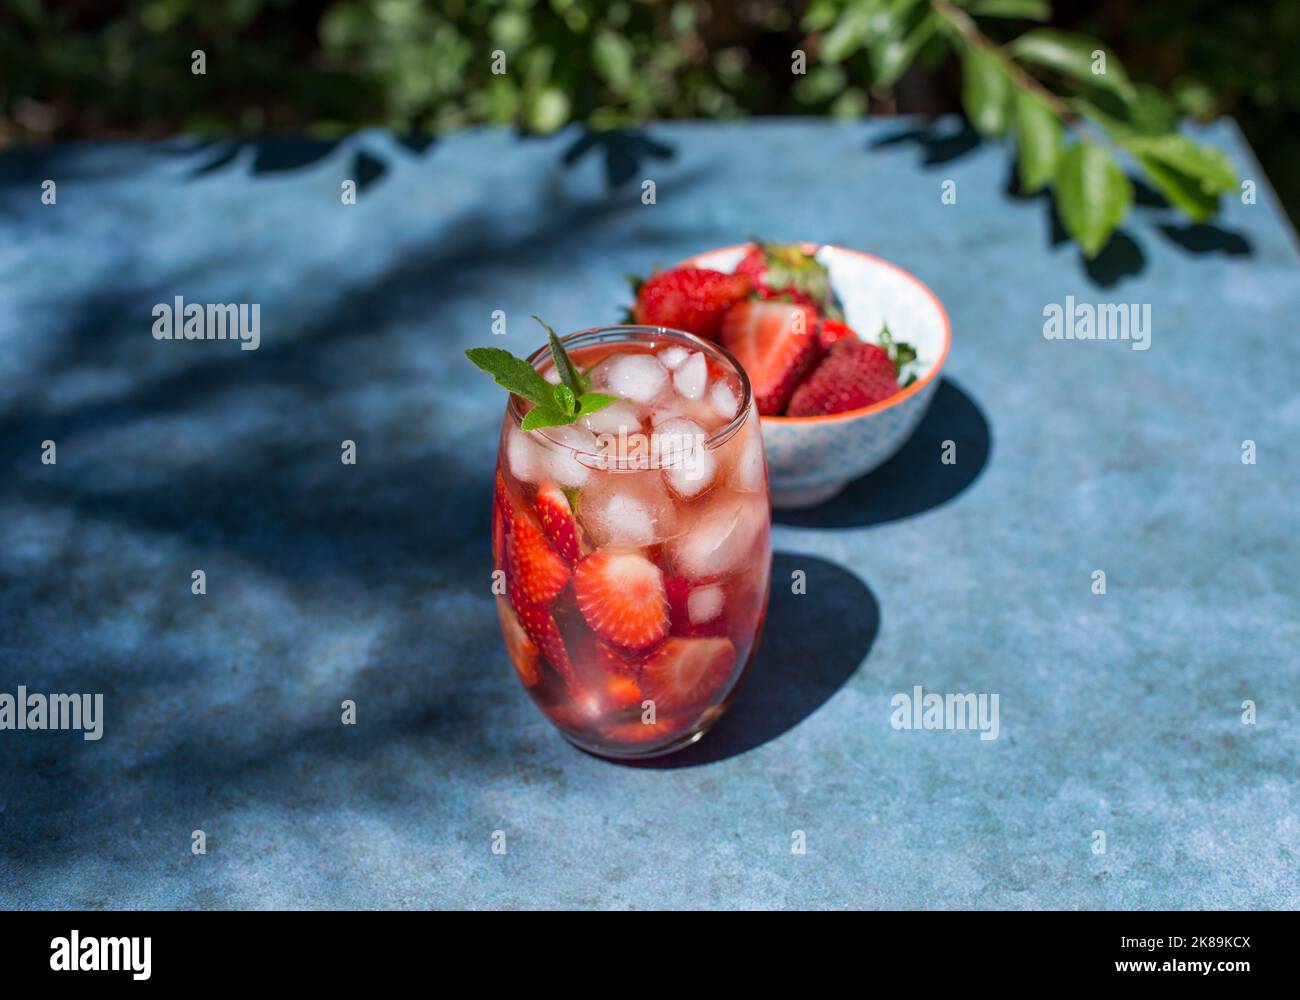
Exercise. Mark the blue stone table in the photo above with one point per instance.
(1120, 714)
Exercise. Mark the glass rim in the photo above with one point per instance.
(633, 332)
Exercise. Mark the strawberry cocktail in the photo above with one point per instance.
(631, 534)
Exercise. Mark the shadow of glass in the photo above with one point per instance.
(812, 644)
(916, 479)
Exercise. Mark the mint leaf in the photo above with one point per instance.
(553, 405)
(569, 375)
(545, 416)
(590, 402)
(512, 373)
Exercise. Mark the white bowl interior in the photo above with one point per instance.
(872, 293)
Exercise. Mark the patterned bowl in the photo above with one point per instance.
(810, 459)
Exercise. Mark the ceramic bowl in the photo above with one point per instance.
(811, 459)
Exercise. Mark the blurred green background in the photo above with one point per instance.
(73, 69)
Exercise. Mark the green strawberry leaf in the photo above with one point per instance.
(900, 353)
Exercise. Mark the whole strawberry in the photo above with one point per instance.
(693, 299)
(787, 270)
(853, 374)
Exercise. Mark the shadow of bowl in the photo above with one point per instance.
(926, 472)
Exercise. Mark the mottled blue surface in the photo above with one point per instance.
(1119, 713)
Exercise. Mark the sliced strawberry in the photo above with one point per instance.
(536, 571)
(522, 650)
(853, 375)
(776, 343)
(689, 298)
(502, 514)
(621, 596)
(833, 330)
(617, 677)
(687, 672)
(786, 270)
(557, 520)
(606, 674)
(540, 626)
(707, 603)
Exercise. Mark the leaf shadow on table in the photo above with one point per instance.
(812, 644)
(625, 151)
(916, 479)
(278, 154)
(230, 461)
(945, 141)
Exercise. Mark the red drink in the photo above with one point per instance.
(633, 548)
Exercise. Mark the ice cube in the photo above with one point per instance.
(671, 357)
(552, 375)
(625, 510)
(723, 400)
(613, 419)
(688, 465)
(638, 377)
(559, 449)
(524, 457)
(705, 604)
(722, 538)
(749, 473)
(691, 376)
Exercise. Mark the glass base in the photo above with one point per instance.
(632, 754)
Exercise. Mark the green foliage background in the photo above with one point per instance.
(82, 68)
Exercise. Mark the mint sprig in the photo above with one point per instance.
(553, 405)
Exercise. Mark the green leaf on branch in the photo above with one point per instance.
(1180, 190)
(613, 58)
(847, 35)
(894, 53)
(1038, 141)
(1026, 10)
(1092, 195)
(1209, 167)
(985, 91)
(1083, 60)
